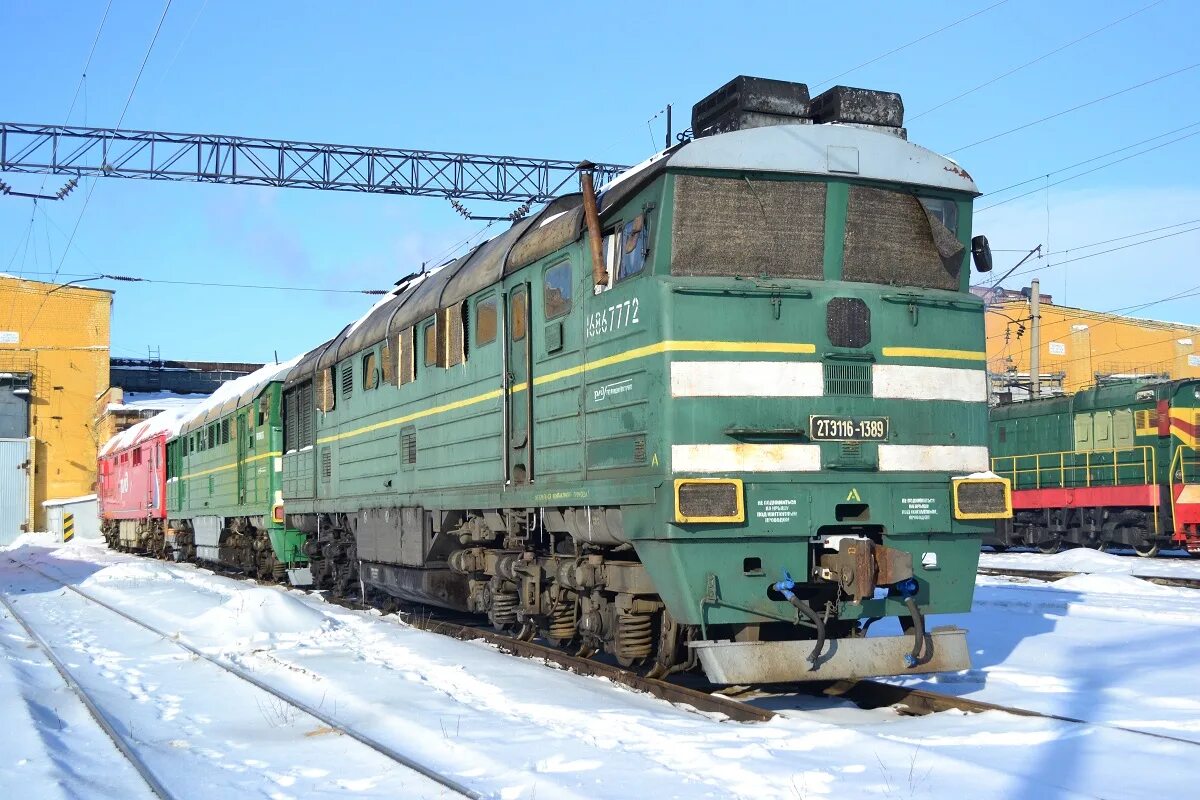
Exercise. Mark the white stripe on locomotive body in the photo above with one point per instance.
(746, 457)
(932, 458)
(1189, 495)
(807, 458)
(806, 379)
(747, 379)
(902, 382)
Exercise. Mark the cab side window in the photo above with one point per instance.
(556, 290)
(634, 247)
(485, 321)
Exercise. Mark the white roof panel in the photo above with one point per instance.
(831, 149)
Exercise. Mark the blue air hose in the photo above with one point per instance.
(908, 590)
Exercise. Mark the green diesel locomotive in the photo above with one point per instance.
(725, 410)
(1114, 465)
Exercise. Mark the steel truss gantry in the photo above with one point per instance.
(114, 153)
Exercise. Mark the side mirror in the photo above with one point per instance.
(981, 254)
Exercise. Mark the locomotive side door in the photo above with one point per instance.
(243, 439)
(518, 388)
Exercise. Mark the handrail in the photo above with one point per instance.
(1063, 463)
(1177, 458)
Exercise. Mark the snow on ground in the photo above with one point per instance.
(514, 728)
(1106, 647)
(1081, 559)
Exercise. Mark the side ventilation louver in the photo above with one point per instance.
(848, 380)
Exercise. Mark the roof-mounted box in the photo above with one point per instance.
(747, 102)
(859, 107)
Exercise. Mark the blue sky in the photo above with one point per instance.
(555, 80)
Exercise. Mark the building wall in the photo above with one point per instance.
(61, 336)
(1079, 344)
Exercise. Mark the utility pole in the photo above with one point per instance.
(667, 146)
(1035, 339)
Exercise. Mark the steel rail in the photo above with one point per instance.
(140, 766)
(1034, 574)
(374, 744)
(663, 690)
(919, 702)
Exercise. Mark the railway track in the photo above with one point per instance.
(736, 703)
(1042, 575)
(128, 747)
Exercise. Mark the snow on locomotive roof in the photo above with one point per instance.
(827, 149)
(168, 422)
(238, 392)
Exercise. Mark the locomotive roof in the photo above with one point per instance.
(1101, 397)
(827, 149)
(165, 422)
(235, 394)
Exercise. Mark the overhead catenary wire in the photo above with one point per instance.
(1031, 62)
(1085, 172)
(1088, 160)
(1113, 314)
(92, 186)
(1041, 267)
(1074, 108)
(907, 45)
(87, 277)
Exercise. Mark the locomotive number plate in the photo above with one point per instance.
(848, 429)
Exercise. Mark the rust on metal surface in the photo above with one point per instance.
(591, 216)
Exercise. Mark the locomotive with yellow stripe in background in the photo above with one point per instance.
(1111, 466)
(726, 410)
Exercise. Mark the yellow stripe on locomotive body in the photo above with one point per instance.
(659, 348)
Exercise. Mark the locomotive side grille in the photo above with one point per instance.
(326, 464)
(848, 380)
(987, 498)
(290, 418)
(347, 380)
(304, 413)
(408, 446)
(725, 226)
(709, 500)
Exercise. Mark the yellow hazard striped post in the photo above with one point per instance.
(68, 527)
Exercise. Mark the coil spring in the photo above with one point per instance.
(503, 610)
(562, 622)
(278, 570)
(634, 636)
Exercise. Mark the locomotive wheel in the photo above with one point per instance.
(1050, 548)
(1146, 549)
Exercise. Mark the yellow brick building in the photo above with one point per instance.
(1079, 346)
(54, 359)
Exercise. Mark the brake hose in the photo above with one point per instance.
(785, 587)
